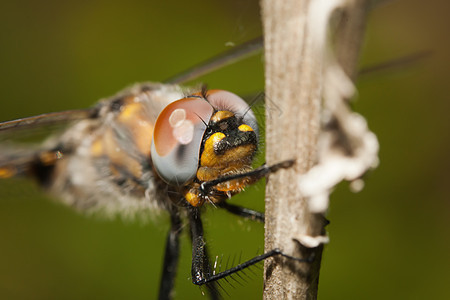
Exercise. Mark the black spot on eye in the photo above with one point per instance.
(181, 153)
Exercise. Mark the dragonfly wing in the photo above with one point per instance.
(62, 117)
(231, 56)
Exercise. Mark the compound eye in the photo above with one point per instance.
(177, 139)
(224, 100)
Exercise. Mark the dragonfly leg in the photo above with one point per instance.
(201, 272)
(201, 267)
(172, 253)
(244, 212)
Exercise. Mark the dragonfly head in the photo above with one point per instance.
(203, 137)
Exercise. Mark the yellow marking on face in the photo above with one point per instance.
(240, 156)
(213, 166)
(7, 172)
(221, 115)
(245, 127)
(207, 173)
(209, 157)
(211, 173)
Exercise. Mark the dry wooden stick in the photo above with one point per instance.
(294, 90)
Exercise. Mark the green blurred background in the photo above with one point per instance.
(391, 241)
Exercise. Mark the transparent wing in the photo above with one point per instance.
(397, 63)
(231, 56)
(256, 46)
(17, 156)
(237, 53)
(47, 119)
(32, 130)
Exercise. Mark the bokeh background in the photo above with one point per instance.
(391, 241)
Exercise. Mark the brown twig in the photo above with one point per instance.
(294, 83)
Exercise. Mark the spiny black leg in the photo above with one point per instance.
(213, 287)
(170, 258)
(201, 271)
(201, 267)
(254, 175)
(257, 259)
(243, 212)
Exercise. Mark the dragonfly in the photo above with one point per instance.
(154, 147)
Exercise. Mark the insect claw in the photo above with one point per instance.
(309, 259)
